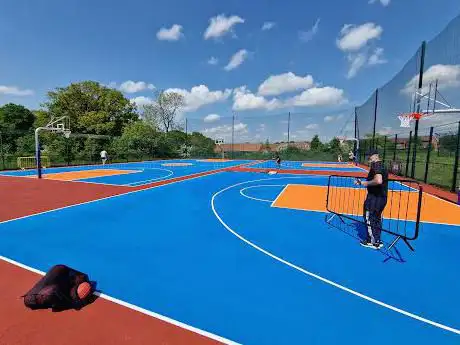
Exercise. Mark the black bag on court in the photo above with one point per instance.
(58, 290)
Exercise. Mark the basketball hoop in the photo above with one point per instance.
(407, 118)
(67, 133)
(341, 139)
(220, 142)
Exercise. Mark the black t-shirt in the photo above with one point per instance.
(382, 189)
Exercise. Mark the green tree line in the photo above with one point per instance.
(101, 118)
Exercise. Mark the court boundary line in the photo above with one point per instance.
(318, 277)
(257, 199)
(136, 308)
(110, 197)
(144, 182)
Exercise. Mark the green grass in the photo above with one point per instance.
(440, 168)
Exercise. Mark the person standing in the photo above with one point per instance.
(103, 156)
(376, 200)
(278, 161)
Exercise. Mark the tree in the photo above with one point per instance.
(316, 143)
(164, 110)
(202, 146)
(25, 145)
(140, 139)
(42, 118)
(15, 122)
(335, 146)
(92, 108)
(14, 117)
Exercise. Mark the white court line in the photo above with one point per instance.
(281, 193)
(137, 308)
(139, 183)
(258, 186)
(316, 276)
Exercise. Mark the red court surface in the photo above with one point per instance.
(103, 322)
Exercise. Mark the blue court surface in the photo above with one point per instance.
(310, 165)
(213, 253)
(140, 173)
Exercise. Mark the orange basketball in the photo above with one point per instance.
(83, 290)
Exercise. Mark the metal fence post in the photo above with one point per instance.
(1, 151)
(455, 172)
(375, 118)
(420, 86)
(408, 154)
(396, 147)
(384, 148)
(289, 128)
(233, 135)
(427, 163)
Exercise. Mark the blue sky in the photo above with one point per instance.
(317, 58)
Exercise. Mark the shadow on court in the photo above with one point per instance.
(358, 231)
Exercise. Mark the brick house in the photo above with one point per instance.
(250, 147)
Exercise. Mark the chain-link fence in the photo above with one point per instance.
(296, 136)
(428, 84)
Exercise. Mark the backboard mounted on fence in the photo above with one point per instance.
(401, 216)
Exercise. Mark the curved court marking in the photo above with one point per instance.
(316, 276)
(258, 186)
(136, 308)
(139, 183)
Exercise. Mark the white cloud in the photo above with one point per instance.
(268, 26)
(448, 76)
(261, 128)
(330, 118)
(14, 91)
(356, 62)
(141, 101)
(212, 118)
(225, 131)
(282, 83)
(377, 57)
(383, 2)
(353, 38)
(243, 99)
(307, 36)
(200, 96)
(318, 96)
(359, 60)
(312, 126)
(111, 85)
(237, 59)
(385, 131)
(213, 60)
(221, 25)
(133, 87)
(172, 34)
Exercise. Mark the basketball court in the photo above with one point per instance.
(225, 254)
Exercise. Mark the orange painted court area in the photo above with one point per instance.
(327, 165)
(83, 174)
(313, 198)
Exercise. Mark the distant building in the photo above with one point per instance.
(250, 147)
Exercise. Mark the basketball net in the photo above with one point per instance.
(407, 118)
